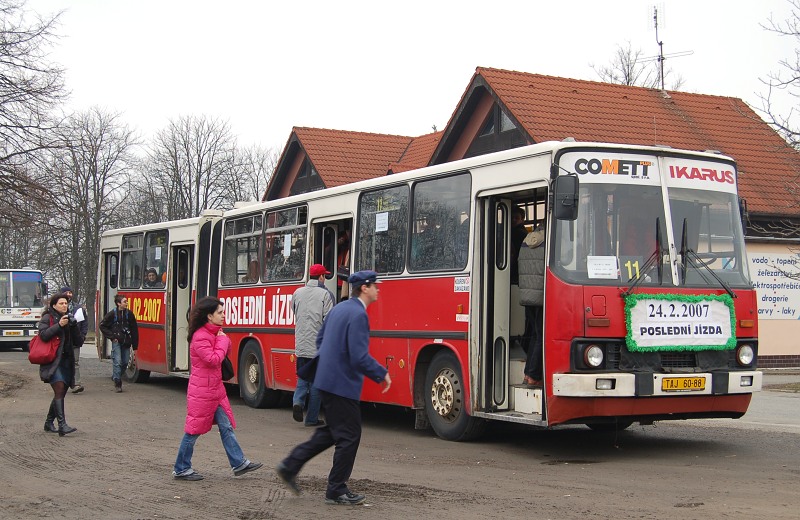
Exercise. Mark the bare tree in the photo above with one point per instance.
(629, 67)
(786, 80)
(189, 163)
(30, 88)
(255, 168)
(87, 175)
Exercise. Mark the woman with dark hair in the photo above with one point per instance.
(206, 400)
(60, 373)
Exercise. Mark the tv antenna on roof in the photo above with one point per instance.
(661, 58)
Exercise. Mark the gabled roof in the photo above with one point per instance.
(342, 157)
(553, 108)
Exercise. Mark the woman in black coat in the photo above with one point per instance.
(60, 373)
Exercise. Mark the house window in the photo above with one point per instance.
(307, 179)
(498, 132)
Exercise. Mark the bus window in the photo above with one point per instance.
(285, 238)
(155, 256)
(383, 230)
(240, 250)
(131, 267)
(438, 240)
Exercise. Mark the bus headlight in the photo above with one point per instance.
(745, 355)
(593, 356)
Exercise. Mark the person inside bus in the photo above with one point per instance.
(151, 279)
(531, 295)
(343, 264)
(518, 234)
(252, 272)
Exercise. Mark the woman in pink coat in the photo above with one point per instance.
(206, 399)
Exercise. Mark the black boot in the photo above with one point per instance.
(51, 415)
(63, 427)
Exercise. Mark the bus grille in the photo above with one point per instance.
(678, 360)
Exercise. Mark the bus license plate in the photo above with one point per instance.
(12, 333)
(683, 384)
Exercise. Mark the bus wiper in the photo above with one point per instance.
(691, 259)
(654, 258)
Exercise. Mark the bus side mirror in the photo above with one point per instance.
(743, 214)
(565, 197)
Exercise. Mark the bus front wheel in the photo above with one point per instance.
(445, 400)
(132, 371)
(252, 385)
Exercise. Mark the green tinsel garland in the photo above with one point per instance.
(632, 299)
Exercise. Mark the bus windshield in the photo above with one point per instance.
(20, 289)
(614, 240)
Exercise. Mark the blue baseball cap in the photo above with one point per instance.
(359, 278)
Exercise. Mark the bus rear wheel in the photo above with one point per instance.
(252, 385)
(444, 402)
(133, 373)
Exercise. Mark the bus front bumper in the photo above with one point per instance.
(648, 384)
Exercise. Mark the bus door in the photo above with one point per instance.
(495, 303)
(106, 303)
(180, 298)
(332, 249)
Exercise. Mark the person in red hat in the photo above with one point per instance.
(311, 304)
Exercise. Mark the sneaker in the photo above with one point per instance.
(297, 412)
(320, 422)
(78, 389)
(193, 476)
(348, 499)
(287, 478)
(251, 466)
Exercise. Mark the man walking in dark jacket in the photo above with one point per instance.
(344, 360)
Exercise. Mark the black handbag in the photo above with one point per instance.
(308, 371)
(227, 369)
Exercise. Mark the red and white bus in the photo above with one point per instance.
(649, 310)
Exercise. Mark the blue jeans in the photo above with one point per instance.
(119, 357)
(183, 464)
(307, 388)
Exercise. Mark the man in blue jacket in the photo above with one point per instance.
(344, 360)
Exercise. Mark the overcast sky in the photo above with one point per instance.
(396, 67)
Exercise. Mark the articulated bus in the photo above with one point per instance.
(22, 293)
(649, 313)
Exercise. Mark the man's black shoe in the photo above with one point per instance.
(191, 476)
(319, 422)
(297, 412)
(287, 478)
(348, 499)
(251, 466)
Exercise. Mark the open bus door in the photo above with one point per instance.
(105, 302)
(180, 295)
(496, 305)
(330, 251)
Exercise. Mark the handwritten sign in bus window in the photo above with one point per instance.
(382, 222)
(287, 245)
(603, 267)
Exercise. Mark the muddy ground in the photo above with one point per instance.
(118, 464)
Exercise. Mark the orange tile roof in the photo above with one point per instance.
(342, 156)
(552, 108)
(419, 152)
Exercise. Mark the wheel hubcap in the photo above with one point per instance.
(443, 393)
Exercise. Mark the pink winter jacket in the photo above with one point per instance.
(206, 391)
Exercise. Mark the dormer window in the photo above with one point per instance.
(307, 179)
(498, 132)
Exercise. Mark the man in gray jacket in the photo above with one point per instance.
(531, 295)
(311, 304)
